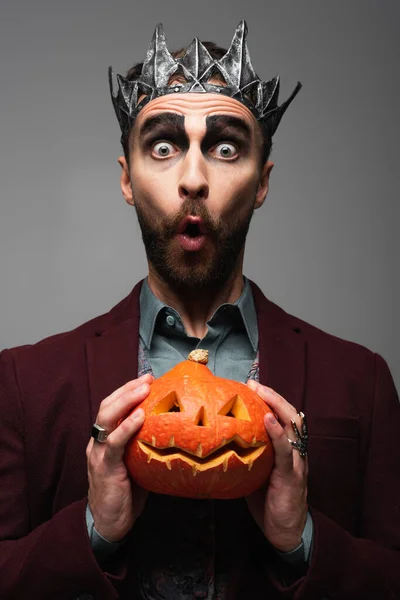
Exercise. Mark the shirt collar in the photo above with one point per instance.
(150, 307)
(247, 309)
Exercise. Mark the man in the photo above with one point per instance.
(196, 131)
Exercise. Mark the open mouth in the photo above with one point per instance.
(192, 226)
(192, 230)
(247, 455)
(192, 234)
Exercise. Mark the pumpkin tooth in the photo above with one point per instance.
(149, 456)
(250, 464)
(226, 463)
(171, 442)
(154, 441)
(199, 451)
(194, 470)
(168, 463)
(254, 440)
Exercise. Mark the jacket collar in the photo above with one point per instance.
(112, 352)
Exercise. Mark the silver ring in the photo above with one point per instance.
(99, 434)
(301, 438)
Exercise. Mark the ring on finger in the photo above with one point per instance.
(301, 436)
(99, 434)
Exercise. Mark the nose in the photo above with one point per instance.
(193, 182)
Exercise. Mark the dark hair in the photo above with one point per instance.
(216, 52)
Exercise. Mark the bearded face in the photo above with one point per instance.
(195, 179)
(212, 264)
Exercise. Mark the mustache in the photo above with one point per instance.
(191, 208)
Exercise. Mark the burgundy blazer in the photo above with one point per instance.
(49, 397)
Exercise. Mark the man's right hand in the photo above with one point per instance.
(116, 502)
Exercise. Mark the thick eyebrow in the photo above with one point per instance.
(169, 125)
(164, 124)
(219, 126)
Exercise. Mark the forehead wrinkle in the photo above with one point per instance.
(203, 103)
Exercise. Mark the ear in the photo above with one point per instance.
(263, 184)
(125, 181)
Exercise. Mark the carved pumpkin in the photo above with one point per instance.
(203, 436)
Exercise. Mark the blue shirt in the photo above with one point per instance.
(231, 338)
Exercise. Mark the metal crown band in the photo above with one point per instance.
(197, 67)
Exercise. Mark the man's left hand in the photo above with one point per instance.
(280, 509)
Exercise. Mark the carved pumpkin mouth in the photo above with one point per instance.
(246, 454)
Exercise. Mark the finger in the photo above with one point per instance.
(127, 387)
(283, 450)
(285, 411)
(300, 464)
(109, 416)
(117, 440)
(89, 447)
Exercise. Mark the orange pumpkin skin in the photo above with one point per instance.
(203, 437)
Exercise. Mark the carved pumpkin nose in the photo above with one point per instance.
(203, 436)
(201, 418)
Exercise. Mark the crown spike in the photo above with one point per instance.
(128, 90)
(196, 60)
(111, 82)
(121, 106)
(273, 117)
(158, 65)
(236, 64)
(269, 94)
(114, 97)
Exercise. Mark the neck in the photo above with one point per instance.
(197, 307)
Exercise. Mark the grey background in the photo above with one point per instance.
(324, 246)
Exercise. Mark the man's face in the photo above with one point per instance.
(195, 178)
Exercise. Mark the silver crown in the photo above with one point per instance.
(197, 67)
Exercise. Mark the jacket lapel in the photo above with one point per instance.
(282, 350)
(112, 355)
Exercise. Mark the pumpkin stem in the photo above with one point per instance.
(199, 356)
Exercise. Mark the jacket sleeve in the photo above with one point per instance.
(366, 567)
(54, 560)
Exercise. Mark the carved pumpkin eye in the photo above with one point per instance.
(236, 409)
(168, 404)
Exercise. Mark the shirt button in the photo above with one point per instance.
(170, 320)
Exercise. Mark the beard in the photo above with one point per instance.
(207, 269)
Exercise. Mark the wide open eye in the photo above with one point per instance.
(163, 149)
(226, 150)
